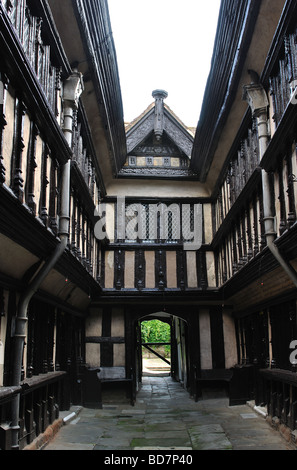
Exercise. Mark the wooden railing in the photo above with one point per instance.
(280, 396)
(33, 173)
(7, 394)
(238, 212)
(41, 400)
(283, 81)
(241, 236)
(30, 163)
(29, 29)
(243, 161)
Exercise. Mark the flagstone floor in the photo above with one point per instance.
(166, 417)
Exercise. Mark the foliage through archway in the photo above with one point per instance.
(156, 331)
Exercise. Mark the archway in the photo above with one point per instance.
(179, 348)
(156, 347)
(185, 340)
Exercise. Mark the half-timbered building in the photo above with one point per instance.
(105, 224)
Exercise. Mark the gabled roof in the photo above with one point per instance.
(158, 134)
(159, 120)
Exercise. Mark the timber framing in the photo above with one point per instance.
(235, 210)
(25, 80)
(285, 25)
(105, 225)
(168, 300)
(30, 233)
(284, 136)
(280, 145)
(101, 55)
(149, 139)
(234, 35)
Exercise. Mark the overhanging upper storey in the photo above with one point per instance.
(85, 32)
(234, 32)
(244, 36)
(159, 145)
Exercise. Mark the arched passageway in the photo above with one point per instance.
(176, 363)
(156, 347)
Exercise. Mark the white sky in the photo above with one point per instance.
(164, 44)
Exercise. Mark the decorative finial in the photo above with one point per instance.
(159, 96)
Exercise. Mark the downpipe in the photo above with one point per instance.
(73, 88)
(257, 99)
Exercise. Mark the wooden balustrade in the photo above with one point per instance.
(240, 234)
(280, 396)
(240, 238)
(29, 29)
(263, 340)
(41, 400)
(51, 372)
(7, 394)
(33, 173)
(283, 79)
(84, 160)
(243, 160)
(147, 246)
(238, 211)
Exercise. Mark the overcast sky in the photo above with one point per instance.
(164, 44)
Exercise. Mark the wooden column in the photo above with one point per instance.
(17, 181)
(31, 166)
(2, 124)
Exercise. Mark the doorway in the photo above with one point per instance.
(175, 358)
(156, 347)
(184, 339)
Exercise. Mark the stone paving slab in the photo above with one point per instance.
(166, 417)
(209, 437)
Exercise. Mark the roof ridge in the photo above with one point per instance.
(129, 125)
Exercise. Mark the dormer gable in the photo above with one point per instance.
(159, 145)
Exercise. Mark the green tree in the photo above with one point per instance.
(155, 331)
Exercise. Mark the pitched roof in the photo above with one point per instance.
(158, 142)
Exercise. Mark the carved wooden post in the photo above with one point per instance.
(234, 252)
(160, 269)
(30, 182)
(261, 220)
(239, 243)
(53, 196)
(2, 125)
(255, 226)
(291, 218)
(159, 96)
(120, 268)
(139, 269)
(181, 269)
(73, 222)
(283, 224)
(249, 233)
(83, 237)
(43, 211)
(201, 268)
(18, 147)
(78, 233)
